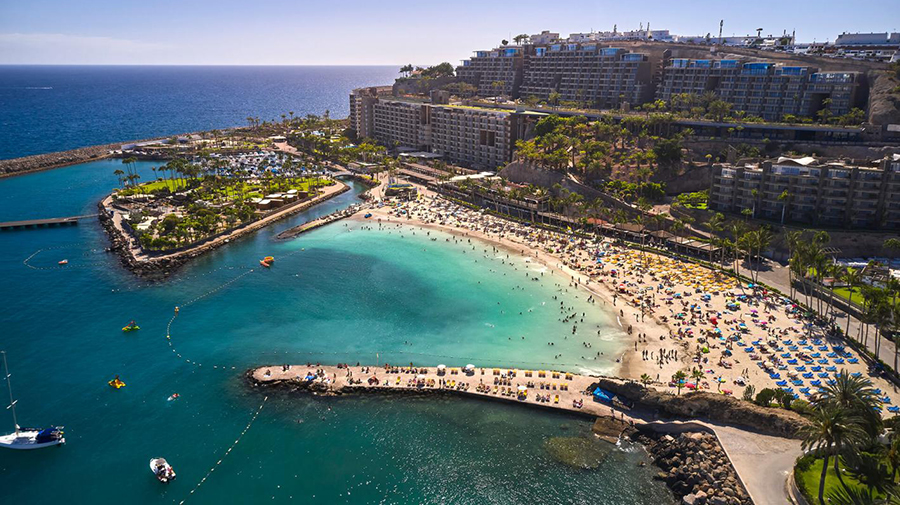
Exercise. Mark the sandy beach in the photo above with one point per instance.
(674, 315)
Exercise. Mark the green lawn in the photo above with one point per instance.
(807, 477)
(151, 186)
(250, 190)
(844, 292)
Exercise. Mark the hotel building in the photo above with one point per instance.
(494, 73)
(805, 191)
(587, 73)
(476, 137)
(603, 77)
(763, 89)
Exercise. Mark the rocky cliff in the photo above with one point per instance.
(715, 407)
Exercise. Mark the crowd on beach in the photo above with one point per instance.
(680, 316)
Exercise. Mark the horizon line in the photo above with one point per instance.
(196, 65)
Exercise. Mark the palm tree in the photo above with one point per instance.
(119, 173)
(784, 198)
(831, 430)
(854, 395)
(853, 278)
(646, 379)
(697, 374)
(791, 239)
(716, 224)
(738, 230)
(678, 379)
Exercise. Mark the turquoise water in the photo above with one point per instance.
(341, 293)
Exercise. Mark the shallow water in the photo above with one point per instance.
(339, 293)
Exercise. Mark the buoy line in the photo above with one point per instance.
(27, 261)
(219, 462)
(191, 302)
(211, 292)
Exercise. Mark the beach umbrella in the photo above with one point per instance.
(522, 388)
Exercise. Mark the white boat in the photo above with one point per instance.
(27, 438)
(162, 470)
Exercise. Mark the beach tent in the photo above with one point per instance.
(602, 395)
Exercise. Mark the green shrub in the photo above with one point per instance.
(801, 406)
(765, 397)
(749, 391)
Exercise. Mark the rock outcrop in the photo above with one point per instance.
(884, 102)
(715, 407)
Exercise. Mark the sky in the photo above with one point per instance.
(385, 32)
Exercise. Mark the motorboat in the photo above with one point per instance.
(27, 438)
(264, 263)
(63, 262)
(132, 326)
(162, 470)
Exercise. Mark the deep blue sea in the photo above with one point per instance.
(339, 293)
(54, 108)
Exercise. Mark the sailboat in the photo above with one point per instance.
(27, 438)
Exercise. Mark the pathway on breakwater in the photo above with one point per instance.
(762, 462)
(318, 223)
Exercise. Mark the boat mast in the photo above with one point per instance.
(12, 403)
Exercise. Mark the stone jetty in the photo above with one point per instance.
(702, 461)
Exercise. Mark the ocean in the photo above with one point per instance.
(55, 108)
(343, 292)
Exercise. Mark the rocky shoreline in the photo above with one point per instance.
(159, 268)
(695, 467)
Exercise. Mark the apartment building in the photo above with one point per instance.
(473, 136)
(803, 190)
(494, 73)
(696, 77)
(476, 137)
(602, 77)
(763, 89)
(402, 123)
(362, 101)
